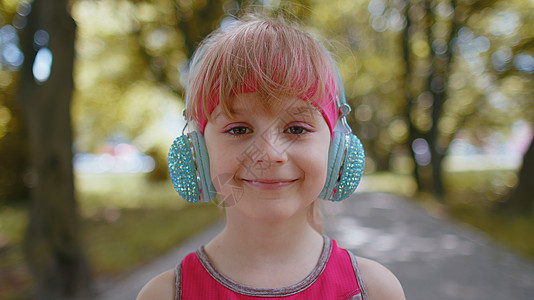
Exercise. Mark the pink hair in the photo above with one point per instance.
(264, 56)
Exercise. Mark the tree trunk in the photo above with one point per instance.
(413, 133)
(196, 22)
(521, 199)
(52, 245)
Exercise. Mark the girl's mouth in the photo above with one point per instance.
(269, 184)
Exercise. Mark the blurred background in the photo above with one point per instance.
(91, 94)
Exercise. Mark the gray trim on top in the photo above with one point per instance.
(272, 292)
(178, 282)
(269, 292)
(363, 295)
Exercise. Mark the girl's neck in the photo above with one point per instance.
(258, 236)
(252, 253)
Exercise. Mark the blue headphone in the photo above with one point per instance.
(189, 165)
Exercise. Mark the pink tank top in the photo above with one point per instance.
(336, 276)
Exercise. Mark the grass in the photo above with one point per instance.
(14, 279)
(474, 198)
(129, 220)
(141, 235)
(387, 182)
(512, 231)
(126, 222)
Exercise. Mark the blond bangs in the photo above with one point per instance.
(266, 56)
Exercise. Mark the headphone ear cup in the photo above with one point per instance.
(352, 169)
(345, 167)
(335, 156)
(189, 168)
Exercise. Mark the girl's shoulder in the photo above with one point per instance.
(379, 281)
(160, 287)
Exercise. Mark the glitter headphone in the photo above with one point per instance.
(189, 165)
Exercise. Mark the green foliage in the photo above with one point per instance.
(13, 158)
(124, 191)
(12, 225)
(391, 93)
(127, 76)
(388, 182)
(132, 62)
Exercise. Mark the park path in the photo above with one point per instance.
(432, 257)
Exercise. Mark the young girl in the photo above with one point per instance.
(266, 100)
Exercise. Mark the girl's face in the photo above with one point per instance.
(268, 164)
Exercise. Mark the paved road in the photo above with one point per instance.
(433, 258)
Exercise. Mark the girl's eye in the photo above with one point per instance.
(238, 130)
(298, 130)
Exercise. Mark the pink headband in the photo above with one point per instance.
(327, 104)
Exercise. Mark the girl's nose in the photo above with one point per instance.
(274, 145)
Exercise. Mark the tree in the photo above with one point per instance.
(429, 39)
(53, 246)
(521, 199)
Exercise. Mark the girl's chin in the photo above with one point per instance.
(270, 210)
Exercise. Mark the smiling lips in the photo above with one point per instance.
(270, 184)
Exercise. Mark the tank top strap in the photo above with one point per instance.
(188, 264)
(357, 273)
(178, 282)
